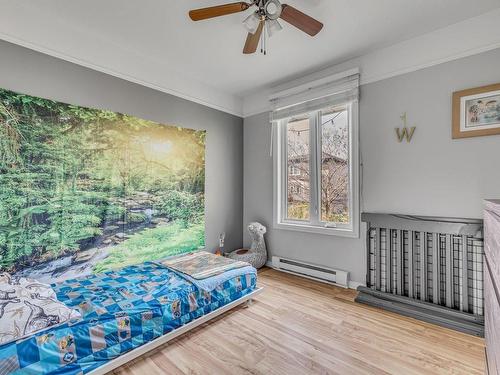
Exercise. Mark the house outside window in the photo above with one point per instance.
(294, 170)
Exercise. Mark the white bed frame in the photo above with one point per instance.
(127, 357)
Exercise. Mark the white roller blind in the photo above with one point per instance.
(341, 88)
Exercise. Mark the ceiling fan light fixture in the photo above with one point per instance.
(273, 9)
(272, 27)
(252, 22)
(263, 22)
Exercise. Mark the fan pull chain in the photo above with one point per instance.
(263, 42)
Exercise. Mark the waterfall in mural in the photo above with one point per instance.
(85, 190)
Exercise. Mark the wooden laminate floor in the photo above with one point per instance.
(298, 326)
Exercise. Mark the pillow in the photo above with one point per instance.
(28, 307)
(36, 287)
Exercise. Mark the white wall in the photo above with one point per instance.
(433, 175)
(33, 73)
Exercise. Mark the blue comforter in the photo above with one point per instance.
(121, 310)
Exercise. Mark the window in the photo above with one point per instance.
(317, 171)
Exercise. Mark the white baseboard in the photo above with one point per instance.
(352, 284)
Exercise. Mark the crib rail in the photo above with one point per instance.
(427, 267)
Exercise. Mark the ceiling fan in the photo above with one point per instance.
(263, 22)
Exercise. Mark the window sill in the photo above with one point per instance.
(339, 232)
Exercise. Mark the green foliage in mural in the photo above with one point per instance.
(155, 244)
(78, 179)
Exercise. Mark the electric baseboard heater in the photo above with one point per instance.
(315, 272)
(428, 268)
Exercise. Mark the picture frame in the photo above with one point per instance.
(476, 112)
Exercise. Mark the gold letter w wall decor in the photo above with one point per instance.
(408, 134)
(405, 133)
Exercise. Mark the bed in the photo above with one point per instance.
(124, 313)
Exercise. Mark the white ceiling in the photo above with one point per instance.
(155, 43)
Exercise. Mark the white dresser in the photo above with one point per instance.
(492, 284)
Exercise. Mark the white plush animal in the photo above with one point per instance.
(257, 254)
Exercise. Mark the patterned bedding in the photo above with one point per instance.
(27, 307)
(121, 310)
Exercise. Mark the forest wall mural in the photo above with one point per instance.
(85, 190)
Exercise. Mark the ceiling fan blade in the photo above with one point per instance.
(219, 10)
(300, 20)
(253, 40)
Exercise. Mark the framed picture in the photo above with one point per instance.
(476, 112)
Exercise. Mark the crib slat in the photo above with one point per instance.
(377, 258)
(411, 280)
(399, 262)
(388, 260)
(436, 280)
(369, 262)
(423, 266)
(465, 276)
(449, 272)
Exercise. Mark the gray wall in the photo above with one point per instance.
(37, 74)
(433, 175)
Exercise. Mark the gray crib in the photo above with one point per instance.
(429, 268)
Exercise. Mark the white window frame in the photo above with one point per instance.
(314, 225)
